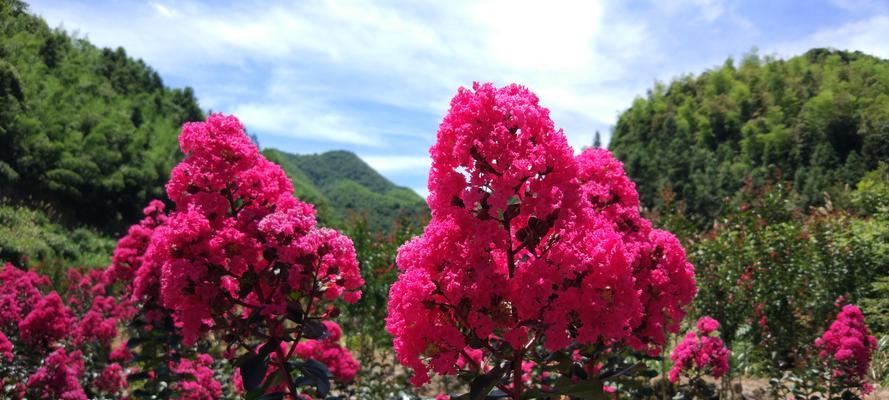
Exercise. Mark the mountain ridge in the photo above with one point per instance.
(341, 186)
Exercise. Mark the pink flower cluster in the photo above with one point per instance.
(238, 254)
(528, 245)
(5, 348)
(846, 347)
(700, 351)
(202, 385)
(48, 336)
(59, 377)
(237, 243)
(330, 353)
(662, 276)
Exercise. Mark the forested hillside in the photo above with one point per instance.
(89, 131)
(819, 120)
(341, 185)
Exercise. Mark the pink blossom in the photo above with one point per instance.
(127, 256)
(700, 352)
(49, 321)
(236, 221)
(846, 347)
(112, 380)
(203, 385)
(5, 347)
(58, 378)
(706, 325)
(19, 291)
(528, 243)
(329, 352)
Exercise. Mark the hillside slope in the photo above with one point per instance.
(820, 120)
(339, 183)
(88, 136)
(90, 131)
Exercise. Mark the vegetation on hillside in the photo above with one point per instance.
(340, 185)
(88, 130)
(28, 237)
(819, 120)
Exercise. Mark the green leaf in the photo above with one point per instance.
(253, 369)
(588, 389)
(318, 372)
(482, 384)
(271, 396)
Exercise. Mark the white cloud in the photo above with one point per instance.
(163, 9)
(867, 35)
(346, 72)
(390, 163)
(867, 6)
(294, 121)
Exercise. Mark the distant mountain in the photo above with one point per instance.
(819, 120)
(341, 185)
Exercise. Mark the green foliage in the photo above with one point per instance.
(820, 119)
(365, 321)
(340, 184)
(88, 130)
(876, 307)
(879, 365)
(771, 274)
(29, 238)
(872, 194)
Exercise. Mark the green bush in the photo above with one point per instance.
(29, 238)
(774, 275)
(821, 119)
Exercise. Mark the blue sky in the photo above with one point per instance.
(376, 78)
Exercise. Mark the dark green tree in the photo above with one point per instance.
(820, 120)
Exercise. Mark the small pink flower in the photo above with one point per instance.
(847, 347)
(700, 352)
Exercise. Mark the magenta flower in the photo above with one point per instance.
(528, 245)
(846, 347)
(700, 352)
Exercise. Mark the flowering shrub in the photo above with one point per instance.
(239, 256)
(204, 385)
(771, 274)
(58, 346)
(845, 349)
(328, 351)
(530, 251)
(700, 352)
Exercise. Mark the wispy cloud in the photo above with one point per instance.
(867, 35)
(162, 9)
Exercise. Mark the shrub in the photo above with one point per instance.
(771, 273)
(531, 254)
(58, 345)
(240, 257)
(845, 350)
